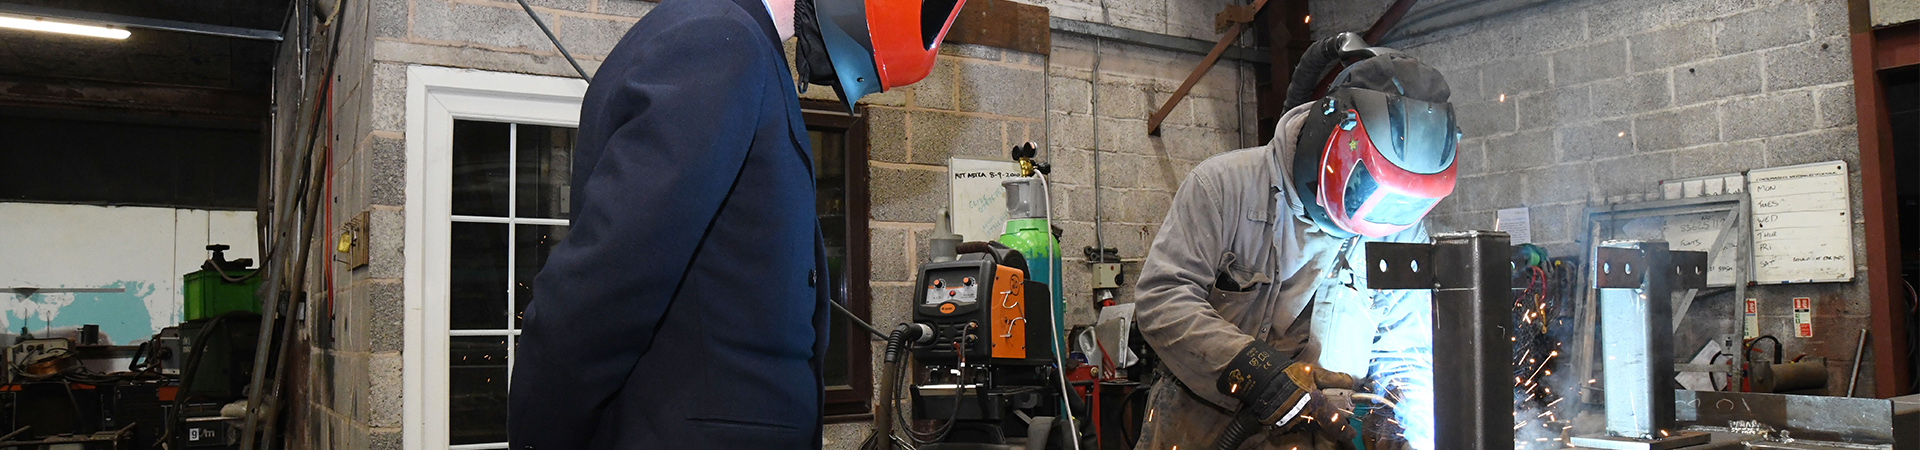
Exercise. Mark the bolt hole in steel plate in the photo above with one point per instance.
(1690, 269)
(1397, 265)
(1607, 258)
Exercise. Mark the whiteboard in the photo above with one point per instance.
(1702, 232)
(1802, 223)
(978, 202)
(1715, 225)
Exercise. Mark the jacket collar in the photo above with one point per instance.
(1286, 137)
(758, 9)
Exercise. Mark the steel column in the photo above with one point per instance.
(1472, 344)
(1636, 351)
(1471, 280)
(1635, 281)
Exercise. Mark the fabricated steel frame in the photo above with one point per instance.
(1470, 275)
(1634, 280)
(1603, 218)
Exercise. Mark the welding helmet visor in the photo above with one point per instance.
(1386, 161)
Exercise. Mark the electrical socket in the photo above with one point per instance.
(1107, 275)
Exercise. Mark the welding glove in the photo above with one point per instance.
(1275, 391)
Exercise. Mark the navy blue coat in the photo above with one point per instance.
(686, 307)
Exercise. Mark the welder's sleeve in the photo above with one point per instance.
(1173, 313)
(676, 145)
(1403, 351)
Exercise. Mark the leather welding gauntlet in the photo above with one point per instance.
(1276, 391)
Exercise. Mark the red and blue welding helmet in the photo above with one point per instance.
(862, 47)
(1377, 152)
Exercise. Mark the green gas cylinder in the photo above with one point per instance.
(1028, 231)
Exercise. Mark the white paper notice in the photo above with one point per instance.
(1517, 223)
(978, 202)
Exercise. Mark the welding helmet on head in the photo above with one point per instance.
(861, 47)
(1377, 151)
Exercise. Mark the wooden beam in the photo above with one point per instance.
(1206, 64)
(1284, 26)
(120, 97)
(1881, 203)
(1002, 24)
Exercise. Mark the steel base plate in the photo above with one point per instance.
(1677, 440)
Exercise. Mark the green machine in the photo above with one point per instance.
(220, 286)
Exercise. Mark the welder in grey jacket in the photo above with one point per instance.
(1254, 293)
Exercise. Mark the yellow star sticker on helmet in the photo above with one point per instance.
(1353, 144)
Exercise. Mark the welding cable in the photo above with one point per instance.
(1059, 356)
(898, 343)
(842, 309)
(555, 40)
(1776, 347)
(953, 417)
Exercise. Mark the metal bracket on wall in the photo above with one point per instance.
(1231, 15)
(353, 241)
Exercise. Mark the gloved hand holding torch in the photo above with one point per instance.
(1275, 391)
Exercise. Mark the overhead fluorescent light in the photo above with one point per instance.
(39, 24)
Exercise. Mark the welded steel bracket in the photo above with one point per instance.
(1395, 265)
(1471, 278)
(1623, 267)
(1635, 281)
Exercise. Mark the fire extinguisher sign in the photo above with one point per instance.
(1803, 317)
(1753, 318)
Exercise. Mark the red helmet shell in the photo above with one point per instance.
(903, 54)
(1347, 151)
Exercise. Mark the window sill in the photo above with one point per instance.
(848, 418)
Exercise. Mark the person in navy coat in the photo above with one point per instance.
(687, 306)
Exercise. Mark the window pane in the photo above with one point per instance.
(834, 371)
(530, 255)
(480, 168)
(546, 171)
(830, 202)
(477, 376)
(477, 288)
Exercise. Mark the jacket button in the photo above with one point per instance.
(811, 276)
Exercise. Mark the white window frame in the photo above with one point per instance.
(436, 96)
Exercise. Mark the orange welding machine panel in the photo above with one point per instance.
(1009, 313)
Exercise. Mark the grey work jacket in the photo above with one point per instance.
(1236, 216)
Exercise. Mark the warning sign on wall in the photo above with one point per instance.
(1803, 317)
(1753, 318)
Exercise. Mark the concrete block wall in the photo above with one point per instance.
(344, 379)
(1572, 104)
